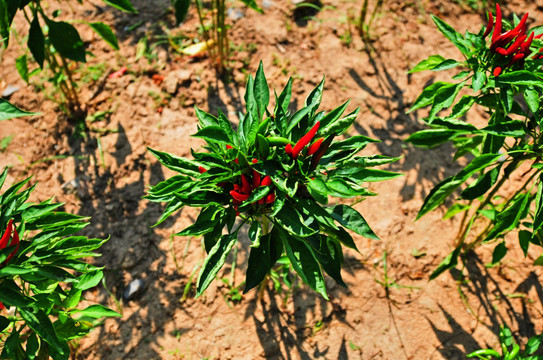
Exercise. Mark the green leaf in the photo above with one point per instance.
(444, 98)
(89, 280)
(442, 190)
(538, 217)
(533, 344)
(509, 218)
(499, 252)
(4, 323)
(432, 137)
(366, 175)
(352, 220)
(105, 32)
(478, 81)
(181, 8)
(456, 38)
(330, 256)
(259, 263)
(532, 99)
(66, 40)
(482, 185)
(253, 5)
(461, 107)
(9, 111)
(513, 128)
(289, 218)
(524, 238)
(213, 134)
(214, 261)
(339, 126)
(261, 92)
(521, 77)
(314, 98)
(11, 295)
(283, 101)
(318, 190)
(427, 64)
(304, 263)
(339, 187)
(123, 5)
(21, 63)
(448, 263)
(427, 96)
(38, 321)
(332, 116)
(255, 232)
(95, 311)
(175, 163)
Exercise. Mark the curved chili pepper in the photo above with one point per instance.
(525, 47)
(489, 25)
(503, 40)
(246, 186)
(306, 139)
(270, 198)
(521, 27)
(320, 152)
(498, 26)
(288, 149)
(516, 57)
(239, 197)
(14, 241)
(256, 179)
(5, 238)
(228, 147)
(267, 181)
(515, 46)
(314, 147)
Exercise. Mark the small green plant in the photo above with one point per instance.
(501, 74)
(43, 277)
(53, 44)
(510, 349)
(215, 33)
(274, 174)
(365, 23)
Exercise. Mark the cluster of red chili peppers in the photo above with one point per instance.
(519, 43)
(241, 192)
(304, 141)
(10, 233)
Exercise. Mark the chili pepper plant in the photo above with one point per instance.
(510, 349)
(274, 174)
(43, 277)
(53, 44)
(501, 74)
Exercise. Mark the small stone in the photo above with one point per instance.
(170, 84)
(266, 4)
(9, 90)
(235, 14)
(133, 289)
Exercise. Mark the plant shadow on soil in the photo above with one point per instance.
(479, 283)
(427, 165)
(132, 245)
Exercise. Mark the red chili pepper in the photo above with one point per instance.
(261, 201)
(516, 57)
(314, 147)
(245, 185)
(228, 147)
(118, 73)
(515, 45)
(503, 40)
(202, 169)
(489, 25)
(525, 47)
(288, 149)
(239, 197)
(256, 179)
(267, 181)
(538, 36)
(521, 27)
(320, 152)
(2, 307)
(498, 26)
(254, 161)
(501, 51)
(237, 187)
(236, 161)
(10, 230)
(270, 198)
(497, 71)
(306, 139)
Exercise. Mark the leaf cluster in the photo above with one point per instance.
(510, 349)
(44, 281)
(511, 137)
(288, 214)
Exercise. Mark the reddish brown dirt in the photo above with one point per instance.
(414, 319)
